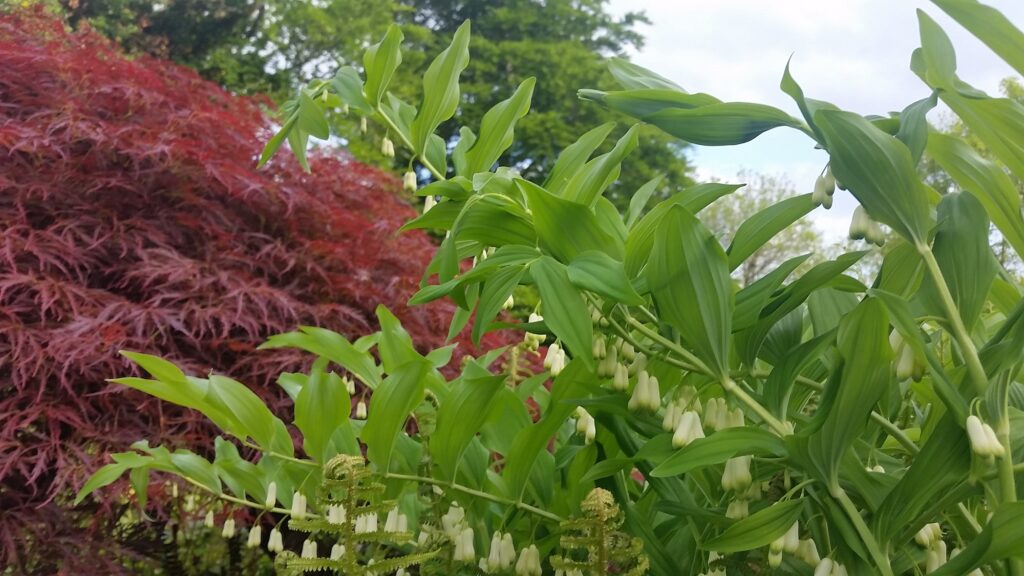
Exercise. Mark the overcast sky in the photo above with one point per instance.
(853, 53)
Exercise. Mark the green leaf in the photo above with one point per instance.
(757, 530)
(565, 312)
(102, 477)
(1002, 537)
(914, 126)
(380, 62)
(632, 77)
(596, 175)
(250, 415)
(529, 442)
(566, 228)
(241, 477)
(723, 124)
(495, 220)
(718, 448)
(863, 343)
(496, 291)
(606, 468)
(641, 236)
(275, 142)
(349, 87)
(575, 155)
(600, 273)
(642, 103)
(902, 269)
(641, 197)
(461, 416)
(197, 468)
(752, 299)
(808, 106)
(962, 250)
(322, 409)
(990, 26)
(879, 171)
(986, 180)
(757, 230)
(332, 346)
(311, 118)
(943, 463)
(441, 88)
(395, 345)
(688, 275)
(390, 406)
(781, 380)
(937, 52)
(497, 129)
(298, 139)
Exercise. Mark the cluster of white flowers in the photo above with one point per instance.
(585, 425)
(529, 562)
(929, 537)
(229, 528)
(717, 415)
(717, 570)
(501, 556)
(366, 523)
(983, 438)
(824, 188)
(387, 147)
(736, 477)
(255, 536)
(829, 567)
(646, 393)
(453, 521)
(533, 341)
(464, 546)
(336, 514)
(807, 551)
(275, 543)
(396, 521)
(788, 542)
(862, 227)
(350, 385)
(555, 359)
(687, 430)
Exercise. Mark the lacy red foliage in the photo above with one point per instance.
(132, 217)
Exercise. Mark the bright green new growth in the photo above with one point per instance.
(805, 421)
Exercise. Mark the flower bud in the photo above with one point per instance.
(428, 203)
(983, 438)
(687, 430)
(298, 506)
(391, 524)
(271, 499)
(554, 361)
(620, 381)
(208, 521)
(638, 364)
(738, 509)
(995, 447)
(309, 549)
(409, 181)
(628, 352)
(361, 410)
(791, 541)
(671, 418)
(824, 188)
(255, 535)
(736, 476)
(774, 558)
(877, 468)
(387, 147)
(529, 562)
(653, 398)
(606, 367)
(275, 543)
(599, 347)
(510, 303)
(494, 555)
(716, 414)
(229, 528)
(337, 551)
(689, 399)
(824, 567)
(350, 385)
(336, 514)
(464, 546)
(362, 125)
(936, 557)
(508, 551)
(638, 401)
(928, 534)
(808, 552)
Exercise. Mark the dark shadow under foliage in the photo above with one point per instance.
(132, 217)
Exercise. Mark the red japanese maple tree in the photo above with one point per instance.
(132, 216)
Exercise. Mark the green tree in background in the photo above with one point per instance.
(272, 46)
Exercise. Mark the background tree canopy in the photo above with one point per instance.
(272, 46)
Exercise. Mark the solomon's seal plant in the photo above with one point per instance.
(806, 423)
